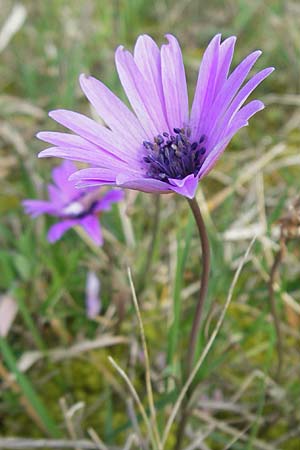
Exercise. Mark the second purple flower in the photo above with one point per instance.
(71, 206)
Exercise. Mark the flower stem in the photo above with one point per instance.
(198, 314)
(204, 282)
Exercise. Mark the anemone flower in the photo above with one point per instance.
(72, 206)
(159, 147)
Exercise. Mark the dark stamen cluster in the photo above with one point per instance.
(174, 156)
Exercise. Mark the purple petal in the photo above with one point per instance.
(246, 113)
(94, 177)
(187, 186)
(57, 230)
(225, 58)
(228, 92)
(112, 196)
(244, 93)
(205, 88)
(60, 176)
(96, 133)
(174, 84)
(92, 227)
(55, 196)
(241, 120)
(142, 184)
(98, 176)
(112, 110)
(95, 158)
(37, 207)
(136, 88)
(147, 59)
(66, 140)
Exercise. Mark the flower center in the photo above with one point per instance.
(80, 207)
(73, 209)
(174, 156)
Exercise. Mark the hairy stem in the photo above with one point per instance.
(198, 313)
(203, 286)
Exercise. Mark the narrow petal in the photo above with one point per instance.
(245, 113)
(174, 84)
(225, 60)
(229, 91)
(142, 184)
(110, 197)
(112, 110)
(99, 158)
(136, 89)
(57, 230)
(66, 140)
(147, 58)
(205, 88)
(94, 177)
(95, 133)
(241, 120)
(91, 226)
(186, 187)
(37, 207)
(99, 173)
(244, 93)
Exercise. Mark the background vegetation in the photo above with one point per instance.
(56, 380)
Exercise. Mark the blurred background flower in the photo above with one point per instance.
(72, 206)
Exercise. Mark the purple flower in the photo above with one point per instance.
(72, 206)
(161, 147)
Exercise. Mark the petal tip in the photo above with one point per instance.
(171, 38)
(73, 177)
(120, 49)
(83, 77)
(53, 114)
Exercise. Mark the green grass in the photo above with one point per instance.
(40, 66)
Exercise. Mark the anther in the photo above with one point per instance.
(173, 155)
(159, 139)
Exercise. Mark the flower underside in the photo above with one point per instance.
(174, 156)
